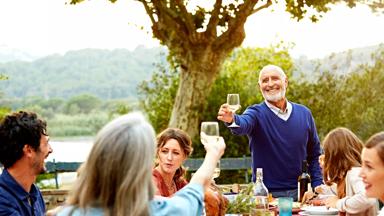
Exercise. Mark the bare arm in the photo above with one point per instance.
(204, 174)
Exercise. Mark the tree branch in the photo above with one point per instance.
(188, 21)
(149, 11)
(235, 33)
(214, 20)
(244, 10)
(269, 3)
(172, 5)
(168, 28)
(168, 11)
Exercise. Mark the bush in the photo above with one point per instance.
(77, 125)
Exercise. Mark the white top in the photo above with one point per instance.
(283, 114)
(381, 212)
(328, 190)
(355, 202)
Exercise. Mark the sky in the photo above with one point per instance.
(43, 27)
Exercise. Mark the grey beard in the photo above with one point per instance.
(274, 98)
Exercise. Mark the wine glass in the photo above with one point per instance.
(209, 133)
(233, 101)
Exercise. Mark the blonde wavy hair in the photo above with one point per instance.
(117, 175)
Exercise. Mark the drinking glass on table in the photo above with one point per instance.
(285, 206)
(209, 133)
(233, 101)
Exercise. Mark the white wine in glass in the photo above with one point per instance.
(209, 133)
(233, 101)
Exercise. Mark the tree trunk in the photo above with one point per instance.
(197, 76)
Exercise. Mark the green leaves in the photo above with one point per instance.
(353, 100)
(199, 17)
(3, 77)
(243, 201)
(84, 103)
(158, 95)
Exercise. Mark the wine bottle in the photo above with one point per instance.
(260, 192)
(304, 181)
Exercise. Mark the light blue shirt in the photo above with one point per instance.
(187, 202)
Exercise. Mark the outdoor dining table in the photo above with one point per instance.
(273, 210)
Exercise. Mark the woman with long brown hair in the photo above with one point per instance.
(342, 164)
(173, 148)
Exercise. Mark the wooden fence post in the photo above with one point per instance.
(56, 176)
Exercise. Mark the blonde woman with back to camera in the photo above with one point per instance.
(117, 176)
(372, 170)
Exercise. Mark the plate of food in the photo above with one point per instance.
(319, 210)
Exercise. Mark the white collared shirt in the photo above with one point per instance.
(283, 114)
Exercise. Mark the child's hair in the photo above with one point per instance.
(342, 151)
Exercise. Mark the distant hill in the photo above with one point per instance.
(107, 74)
(337, 63)
(9, 54)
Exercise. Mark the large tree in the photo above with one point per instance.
(200, 38)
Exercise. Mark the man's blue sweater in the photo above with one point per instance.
(279, 146)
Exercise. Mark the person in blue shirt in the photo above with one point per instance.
(23, 147)
(116, 179)
(281, 135)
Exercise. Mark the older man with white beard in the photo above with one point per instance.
(281, 135)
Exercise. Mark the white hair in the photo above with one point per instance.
(278, 69)
(117, 175)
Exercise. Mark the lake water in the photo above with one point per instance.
(68, 151)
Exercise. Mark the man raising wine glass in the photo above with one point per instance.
(281, 135)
